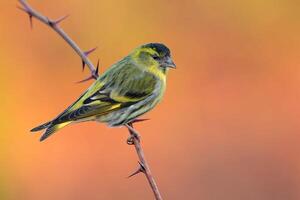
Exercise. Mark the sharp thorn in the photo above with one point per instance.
(87, 79)
(60, 20)
(30, 19)
(138, 120)
(29, 14)
(97, 69)
(88, 52)
(83, 65)
(139, 170)
(135, 173)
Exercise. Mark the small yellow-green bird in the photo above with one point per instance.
(128, 89)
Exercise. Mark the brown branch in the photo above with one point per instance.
(53, 24)
(143, 165)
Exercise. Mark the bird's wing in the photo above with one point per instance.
(119, 87)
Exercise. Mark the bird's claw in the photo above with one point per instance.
(130, 139)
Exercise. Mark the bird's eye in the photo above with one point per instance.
(155, 57)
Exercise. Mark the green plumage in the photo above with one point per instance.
(125, 91)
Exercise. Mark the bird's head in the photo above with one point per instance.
(153, 55)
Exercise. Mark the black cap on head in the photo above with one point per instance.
(160, 48)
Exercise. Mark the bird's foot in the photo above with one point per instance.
(133, 134)
(132, 137)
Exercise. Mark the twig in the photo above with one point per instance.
(143, 165)
(53, 24)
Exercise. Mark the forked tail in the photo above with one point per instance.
(50, 127)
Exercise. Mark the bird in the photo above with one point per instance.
(126, 90)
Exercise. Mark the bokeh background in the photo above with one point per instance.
(228, 127)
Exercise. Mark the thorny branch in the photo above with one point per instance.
(134, 138)
(144, 167)
(53, 24)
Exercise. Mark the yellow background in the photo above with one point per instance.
(228, 127)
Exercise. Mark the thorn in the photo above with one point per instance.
(138, 120)
(139, 170)
(60, 20)
(83, 65)
(97, 70)
(88, 52)
(87, 79)
(31, 23)
(29, 14)
(135, 173)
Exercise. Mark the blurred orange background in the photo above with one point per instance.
(228, 127)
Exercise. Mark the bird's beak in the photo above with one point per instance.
(169, 63)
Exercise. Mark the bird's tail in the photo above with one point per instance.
(41, 127)
(50, 127)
